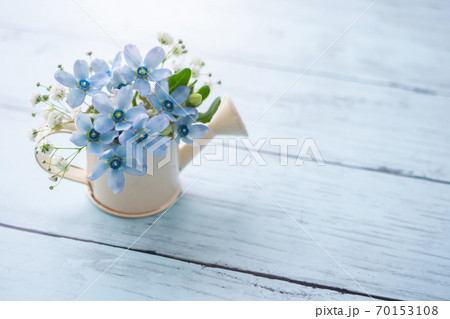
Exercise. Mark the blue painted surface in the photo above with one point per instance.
(377, 112)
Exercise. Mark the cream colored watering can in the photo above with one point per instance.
(149, 194)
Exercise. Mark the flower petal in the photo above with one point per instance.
(132, 55)
(169, 115)
(81, 70)
(155, 102)
(94, 92)
(99, 65)
(198, 130)
(133, 171)
(65, 78)
(117, 60)
(116, 180)
(107, 137)
(124, 97)
(134, 112)
(187, 140)
(154, 57)
(185, 120)
(157, 123)
(142, 86)
(180, 95)
(185, 111)
(159, 74)
(127, 73)
(121, 151)
(106, 155)
(79, 138)
(103, 104)
(84, 122)
(103, 123)
(159, 146)
(98, 170)
(162, 90)
(98, 80)
(139, 122)
(95, 148)
(122, 126)
(125, 136)
(75, 97)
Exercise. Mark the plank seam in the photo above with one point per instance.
(381, 169)
(204, 264)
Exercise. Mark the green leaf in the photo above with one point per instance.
(178, 79)
(207, 116)
(204, 91)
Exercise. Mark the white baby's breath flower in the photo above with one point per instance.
(195, 71)
(46, 110)
(53, 178)
(177, 66)
(57, 92)
(45, 147)
(59, 162)
(35, 98)
(54, 119)
(196, 60)
(178, 49)
(32, 133)
(164, 38)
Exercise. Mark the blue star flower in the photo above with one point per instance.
(99, 65)
(116, 115)
(116, 80)
(144, 136)
(81, 84)
(114, 161)
(96, 142)
(142, 71)
(186, 130)
(169, 105)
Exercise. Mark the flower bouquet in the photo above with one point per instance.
(123, 113)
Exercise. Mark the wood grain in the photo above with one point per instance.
(390, 233)
(393, 43)
(376, 106)
(61, 269)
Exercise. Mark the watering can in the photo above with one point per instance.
(149, 194)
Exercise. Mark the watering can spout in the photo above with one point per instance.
(226, 121)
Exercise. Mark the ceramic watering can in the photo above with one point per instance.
(149, 194)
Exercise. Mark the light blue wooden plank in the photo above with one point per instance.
(390, 233)
(357, 125)
(390, 42)
(36, 267)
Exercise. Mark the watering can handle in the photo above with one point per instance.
(73, 173)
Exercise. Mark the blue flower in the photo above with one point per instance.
(142, 71)
(144, 136)
(170, 105)
(99, 65)
(116, 80)
(81, 84)
(116, 115)
(186, 130)
(96, 142)
(114, 161)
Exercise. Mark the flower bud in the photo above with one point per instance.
(195, 99)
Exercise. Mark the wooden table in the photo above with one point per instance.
(376, 105)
